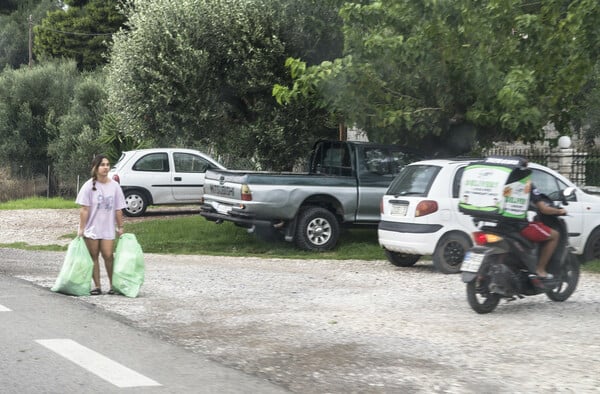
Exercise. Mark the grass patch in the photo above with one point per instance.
(39, 203)
(592, 266)
(196, 235)
(26, 246)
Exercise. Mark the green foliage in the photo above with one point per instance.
(82, 32)
(416, 69)
(77, 132)
(31, 103)
(201, 72)
(115, 141)
(14, 29)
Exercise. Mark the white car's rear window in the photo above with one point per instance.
(414, 180)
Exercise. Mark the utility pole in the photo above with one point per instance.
(30, 41)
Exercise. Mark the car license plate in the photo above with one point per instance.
(221, 208)
(399, 210)
(221, 190)
(472, 261)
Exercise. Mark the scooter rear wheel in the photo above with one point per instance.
(569, 277)
(481, 303)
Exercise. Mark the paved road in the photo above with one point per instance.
(316, 326)
(50, 343)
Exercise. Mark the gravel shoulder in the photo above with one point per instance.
(317, 326)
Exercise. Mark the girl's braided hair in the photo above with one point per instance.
(95, 164)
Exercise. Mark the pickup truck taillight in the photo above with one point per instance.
(116, 178)
(246, 193)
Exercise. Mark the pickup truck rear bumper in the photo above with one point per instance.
(246, 221)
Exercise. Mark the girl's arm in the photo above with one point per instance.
(84, 212)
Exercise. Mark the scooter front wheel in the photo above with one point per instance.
(481, 303)
(569, 277)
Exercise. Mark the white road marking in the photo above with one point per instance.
(4, 309)
(96, 363)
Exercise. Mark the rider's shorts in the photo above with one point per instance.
(536, 232)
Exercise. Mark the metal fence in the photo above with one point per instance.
(581, 167)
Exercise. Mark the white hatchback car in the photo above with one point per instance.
(161, 176)
(419, 215)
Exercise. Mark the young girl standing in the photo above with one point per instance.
(100, 217)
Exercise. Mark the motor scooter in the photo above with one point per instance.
(502, 264)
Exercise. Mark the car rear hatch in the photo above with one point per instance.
(406, 199)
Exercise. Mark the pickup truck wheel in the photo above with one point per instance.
(135, 203)
(402, 259)
(318, 230)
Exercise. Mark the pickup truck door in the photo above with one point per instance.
(374, 177)
(187, 183)
(377, 167)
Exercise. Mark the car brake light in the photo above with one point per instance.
(426, 207)
(246, 193)
(381, 206)
(482, 238)
(116, 178)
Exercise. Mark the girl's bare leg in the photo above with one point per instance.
(93, 246)
(107, 248)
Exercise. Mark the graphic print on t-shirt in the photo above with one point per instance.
(105, 203)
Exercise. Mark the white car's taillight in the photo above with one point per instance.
(426, 207)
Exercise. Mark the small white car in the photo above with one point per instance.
(161, 176)
(420, 216)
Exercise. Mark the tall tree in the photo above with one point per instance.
(82, 31)
(419, 70)
(14, 29)
(202, 71)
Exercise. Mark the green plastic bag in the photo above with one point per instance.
(128, 268)
(75, 276)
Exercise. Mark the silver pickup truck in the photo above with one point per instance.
(343, 186)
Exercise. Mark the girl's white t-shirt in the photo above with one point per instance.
(103, 202)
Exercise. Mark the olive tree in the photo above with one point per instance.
(201, 72)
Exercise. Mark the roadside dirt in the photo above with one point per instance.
(324, 326)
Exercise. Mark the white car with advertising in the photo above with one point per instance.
(420, 216)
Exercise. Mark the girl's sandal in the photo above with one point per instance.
(96, 291)
(111, 291)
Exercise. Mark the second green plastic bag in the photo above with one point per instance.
(76, 273)
(128, 268)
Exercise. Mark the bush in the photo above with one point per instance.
(15, 188)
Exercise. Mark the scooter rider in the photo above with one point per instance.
(536, 231)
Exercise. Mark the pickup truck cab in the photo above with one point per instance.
(343, 186)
